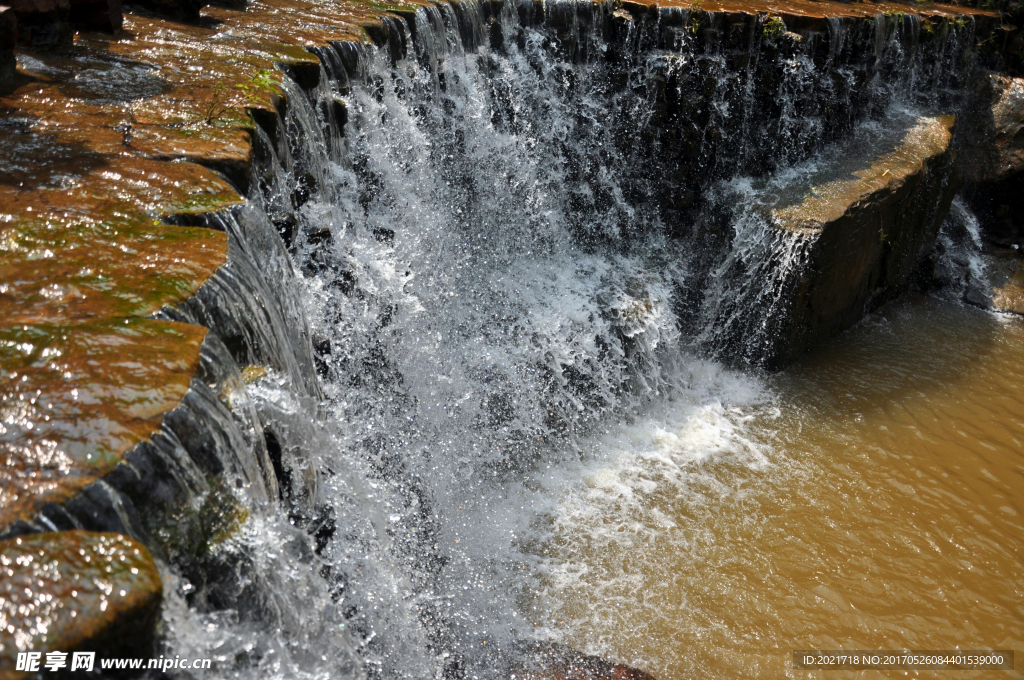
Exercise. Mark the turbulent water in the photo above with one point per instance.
(494, 298)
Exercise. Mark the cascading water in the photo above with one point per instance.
(960, 265)
(493, 258)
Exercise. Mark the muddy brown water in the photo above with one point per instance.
(874, 504)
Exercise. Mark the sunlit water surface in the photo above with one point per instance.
(868, 497)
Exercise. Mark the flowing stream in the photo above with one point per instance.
(517, 439)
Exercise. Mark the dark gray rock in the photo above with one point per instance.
(992, 148)
(97, 15)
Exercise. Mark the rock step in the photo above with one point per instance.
(78, 397)
(811, 8)
(867, 232)
(76, 591)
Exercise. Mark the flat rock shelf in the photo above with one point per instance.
(76, 590)
(867, 232)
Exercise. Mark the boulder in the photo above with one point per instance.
(1006, 276)
(992, 148)
(991, 151)
(854, 243)
(43, 24)
(76, 591)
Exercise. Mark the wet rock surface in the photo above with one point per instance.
(992, 157)
(76, 590)
(559, 662)
(993, 148)
(78, 397)
(865, 236)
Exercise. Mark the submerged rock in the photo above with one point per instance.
(559, 662)
(76, 590)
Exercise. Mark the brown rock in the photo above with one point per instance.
(76, 590)
(43, 24)
(226, 150)
(116, 265)
(866, 236)
(1006, 275)
(75, 398)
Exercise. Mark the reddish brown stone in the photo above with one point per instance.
(77, 397)
(76, 590)
(110, 266)
(803, 12)
(228, 151)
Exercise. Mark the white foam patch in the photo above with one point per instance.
(587, 523)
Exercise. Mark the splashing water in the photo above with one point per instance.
(492, 284)
(960, 264)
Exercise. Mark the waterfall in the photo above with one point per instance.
(960, 265)
(476, 246)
